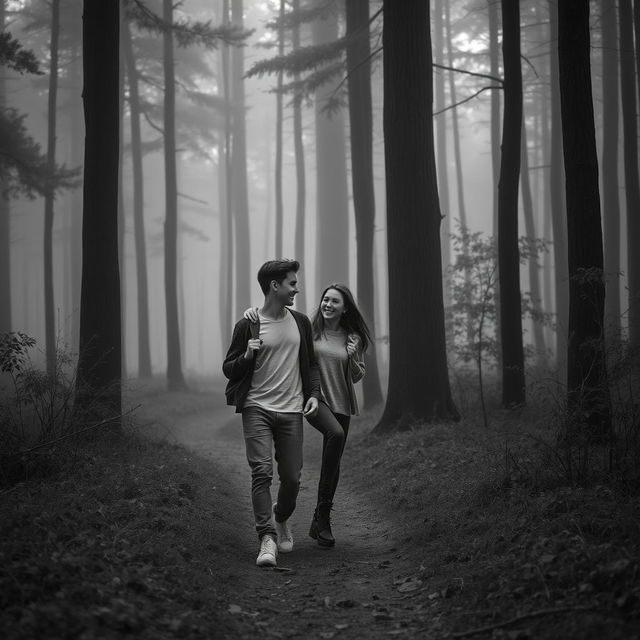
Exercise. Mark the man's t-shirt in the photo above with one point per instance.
(276, 384)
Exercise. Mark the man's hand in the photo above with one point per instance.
(253, 346)
(311, 408)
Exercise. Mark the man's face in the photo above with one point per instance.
(286, 291)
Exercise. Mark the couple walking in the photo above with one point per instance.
(282, 367)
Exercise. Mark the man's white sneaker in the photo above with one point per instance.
(268, 552)
(285, 537)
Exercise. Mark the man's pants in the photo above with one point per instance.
(262, 428)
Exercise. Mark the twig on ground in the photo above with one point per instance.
(75, 433)
(525, 616)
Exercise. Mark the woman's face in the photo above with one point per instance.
(332, 305)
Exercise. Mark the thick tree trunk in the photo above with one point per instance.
(610, 178)
(49, 198)
(418, 377)
(558, 208)
(533, 264)
(513, 383)
(361, 126)
(239, 169)
(630, 148)
(588, 397)
(332, 223)
(99, 358)
(175, 378)
(144, 351)
(301, 176)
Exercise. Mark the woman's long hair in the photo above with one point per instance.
(351, 320)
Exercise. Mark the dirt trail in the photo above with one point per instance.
(362, 588)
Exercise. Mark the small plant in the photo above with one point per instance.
(37, 414)
(473, 314)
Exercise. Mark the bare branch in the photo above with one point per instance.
(468, 99)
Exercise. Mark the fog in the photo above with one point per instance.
(199, 180)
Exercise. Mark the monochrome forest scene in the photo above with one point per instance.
(320, 319)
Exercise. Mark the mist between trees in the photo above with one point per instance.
(156, 154)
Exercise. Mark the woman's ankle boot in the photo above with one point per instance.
(321, 525)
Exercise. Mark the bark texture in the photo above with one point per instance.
(588, 398)
(513, 383)
(418, 379)
(361, 126)
(100, 330)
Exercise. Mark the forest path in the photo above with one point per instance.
(362, 588)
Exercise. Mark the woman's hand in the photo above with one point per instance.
(353, 341)
(251, 314)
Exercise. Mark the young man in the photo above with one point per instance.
(273, 379)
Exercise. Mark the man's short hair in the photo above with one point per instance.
(275, 270)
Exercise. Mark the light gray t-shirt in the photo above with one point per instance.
(276, 384)
(332, 357)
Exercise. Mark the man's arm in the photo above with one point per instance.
(235, 364)
(314, 367)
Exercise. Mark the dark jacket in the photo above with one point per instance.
(240, 371)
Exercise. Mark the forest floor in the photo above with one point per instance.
(443, 531)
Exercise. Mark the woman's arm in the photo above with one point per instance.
(251, 314)
(356, 360)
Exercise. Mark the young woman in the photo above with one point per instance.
(341, 337)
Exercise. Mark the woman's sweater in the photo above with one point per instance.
(338, 370)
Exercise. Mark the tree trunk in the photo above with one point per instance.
(441, 151)
(301, 177)
(630, 148)
(122, 221)
(175, 378)
(534, 265)
(332, 222)
(587, 392)
(610, 178)
(558, 208)
(99, 364)
(513, 383)
(225, 192)
(462, 209)
(547, 228)
(5, 224)
(418, 378)
(144, 351)
(49, 198)
(361, 126)
(240, 197)
(279, 138)
(494, 61)
(75, 122)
